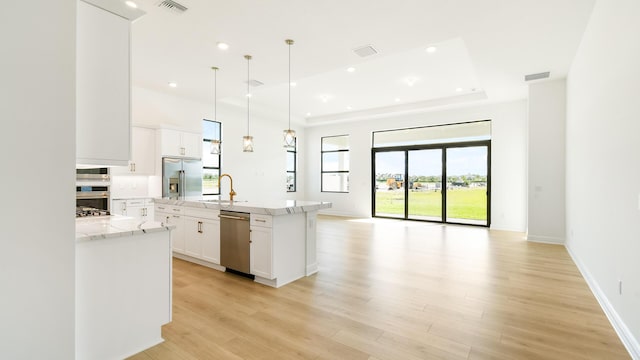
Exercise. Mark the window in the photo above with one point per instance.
(211, 130)
(292, 157)
(335, 164)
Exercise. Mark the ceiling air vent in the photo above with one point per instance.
(173, 6)
(364, 51)
(538, 76)
(254, 83)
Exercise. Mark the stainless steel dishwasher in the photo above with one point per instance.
(234, 240)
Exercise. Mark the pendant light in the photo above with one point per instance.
(215, 144)
(289, 135)
(247, 141)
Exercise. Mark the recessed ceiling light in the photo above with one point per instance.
(411, 81)
(249, 95)
(351, 69)
(172, 84)
(293, 84)
(432, 49)
(131, 4)
(349, 107)
(458, 89)
(308, 114)
(222, 45)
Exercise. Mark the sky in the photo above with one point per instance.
(460, 161)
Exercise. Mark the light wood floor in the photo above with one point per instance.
(390, 289)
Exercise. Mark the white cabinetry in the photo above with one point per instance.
(180, 143)
(137, 208)
(202, 234)
(172, 215)
(102, 87)
(261, 250)
(143, 145)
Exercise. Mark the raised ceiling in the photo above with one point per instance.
(484, 49)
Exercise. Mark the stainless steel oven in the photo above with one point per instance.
(93, 196)
(93, 174)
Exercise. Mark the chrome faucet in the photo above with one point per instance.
(232, 193)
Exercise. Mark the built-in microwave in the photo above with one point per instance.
(93, 174)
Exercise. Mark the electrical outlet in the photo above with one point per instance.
(620, 287)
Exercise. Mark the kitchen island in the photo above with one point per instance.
(282, 245)
(123, 285)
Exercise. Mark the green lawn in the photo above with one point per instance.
(463, 203)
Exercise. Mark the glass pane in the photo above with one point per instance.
(335, 161)
(389, 188)
(291, 161)
(210, 181)
(208, 159)
(291, 182)
(425, 184)
(474, 131)
(467, 185)
(210, 130)
(335, 143)
(338, 182)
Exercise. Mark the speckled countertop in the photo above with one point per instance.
(105, 227)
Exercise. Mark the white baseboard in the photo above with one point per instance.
(199, 261)
(545, 239)
(619, 326)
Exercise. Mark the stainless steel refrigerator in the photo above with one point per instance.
(181, 177)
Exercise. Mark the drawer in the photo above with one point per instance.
(171, 209)
(261, 220)
(202, 213)
(136, 202)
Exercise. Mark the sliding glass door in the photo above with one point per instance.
(467, 185)
(389, 194)
(425, 184)
(437, 182)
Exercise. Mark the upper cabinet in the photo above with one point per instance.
(180, 143)
(103, 105)
(143, 148)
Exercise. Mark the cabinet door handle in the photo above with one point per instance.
(134, 166)
(261, 220)
(200, 227)
(160, 208)
(167, 220)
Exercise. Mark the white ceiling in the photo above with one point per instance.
(484, 49)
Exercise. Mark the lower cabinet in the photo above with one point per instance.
(136, 208)
(202, 234)
(172, 215)
(261, 250)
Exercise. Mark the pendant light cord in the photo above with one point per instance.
(215, 93)
(248, 94)
(290, 84)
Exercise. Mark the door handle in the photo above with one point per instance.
(232, 217)
(200, 227)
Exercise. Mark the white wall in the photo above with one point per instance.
(546, 161)
(37, 109)
(603, 157)
(257, 176)
(508, 159)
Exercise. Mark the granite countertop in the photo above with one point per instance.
(105, 227)
(273, 207)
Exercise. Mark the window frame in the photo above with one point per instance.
(323, 172)
(206, 144)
